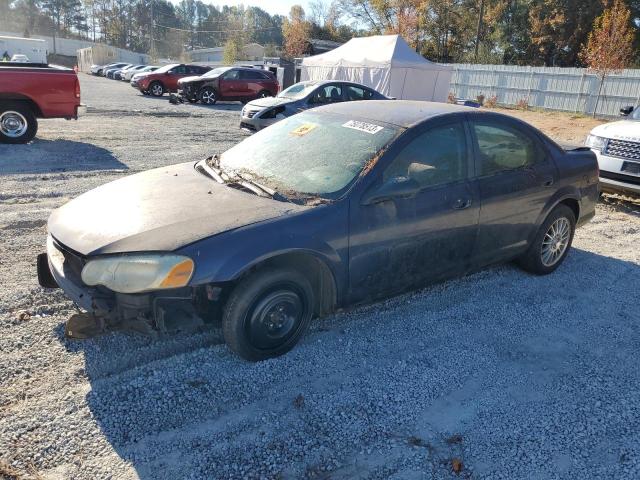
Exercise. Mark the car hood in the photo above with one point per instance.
(269, 102)
(622, 130)
(193, 78)
(158, 210)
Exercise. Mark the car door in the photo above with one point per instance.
(514, 173)
(407, 241)
(230, 84)
(253, 82)
(173, 75)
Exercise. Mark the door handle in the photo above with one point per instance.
(461, 204)
(547, 182)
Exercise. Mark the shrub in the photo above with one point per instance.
(491, 102)
(480, 99)
(451, 98)
(523, 104)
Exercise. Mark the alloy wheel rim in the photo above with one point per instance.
(157, 89)
(555, 242)
(208, 96)
(13, 124)
(275, 319)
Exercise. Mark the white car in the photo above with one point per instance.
(617, 146)
(20, 58)
(129, 74)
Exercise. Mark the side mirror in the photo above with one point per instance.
(626, 111)
(399, 187)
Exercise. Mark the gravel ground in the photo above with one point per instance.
(497, 375)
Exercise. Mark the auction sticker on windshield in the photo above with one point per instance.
(363, 126)
(304, 129)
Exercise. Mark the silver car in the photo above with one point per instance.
(262, 112)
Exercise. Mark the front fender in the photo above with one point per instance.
(321, 232)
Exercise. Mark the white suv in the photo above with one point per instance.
(617, 146)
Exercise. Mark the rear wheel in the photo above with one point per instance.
(208, 96)
(264, 94)
(156, 89)
(18, 123)
(552, 242)
(267, 313)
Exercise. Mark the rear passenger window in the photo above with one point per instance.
(357, 93)
(248, 75)
(436, 157)
(503, 148)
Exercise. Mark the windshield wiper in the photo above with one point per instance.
(214, 169)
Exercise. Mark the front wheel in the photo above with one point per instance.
(208, 96)
(18, 124)
(552, 242)
(156, 89)
(267, 313)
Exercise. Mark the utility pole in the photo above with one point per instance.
(479, 32)
(152, 50)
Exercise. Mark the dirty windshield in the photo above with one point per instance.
(309, 153)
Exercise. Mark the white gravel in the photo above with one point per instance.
(516, 376)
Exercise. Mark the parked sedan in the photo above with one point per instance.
(119, 74)
(263, 112)
(336, 206)
(129, 74)
(165, 79)
(108, 72)
(229, 83)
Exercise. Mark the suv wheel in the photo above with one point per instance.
(18, 124)
(156, 89)
(264, 94)
(208, 96)
(267, 313)
(552, 242)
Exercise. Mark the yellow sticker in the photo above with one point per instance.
(303, 129)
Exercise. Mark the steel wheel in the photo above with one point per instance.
(13, 124)
(555, 241)
(274, 319)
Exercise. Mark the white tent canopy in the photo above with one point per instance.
(385, 63)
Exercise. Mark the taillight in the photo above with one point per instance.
(77, 88)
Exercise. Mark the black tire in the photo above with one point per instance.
(267, 313)
(264, 94)
(534, 259)
(208, 96)
(18, 123)
(156, 89)
(99, 73)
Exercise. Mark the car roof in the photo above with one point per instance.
(403, 113)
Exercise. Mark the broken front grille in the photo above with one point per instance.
(623, 149)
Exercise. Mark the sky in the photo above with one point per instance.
(281, 7)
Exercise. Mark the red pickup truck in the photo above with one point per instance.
(32, 91)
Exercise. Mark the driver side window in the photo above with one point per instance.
(436, 157)
(327, 94)
(231, 75)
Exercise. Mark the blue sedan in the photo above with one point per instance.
(336, 206)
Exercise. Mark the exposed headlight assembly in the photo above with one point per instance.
(139, 273)
(595, 142)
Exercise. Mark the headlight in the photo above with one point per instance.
(595, 142)
(138, 273)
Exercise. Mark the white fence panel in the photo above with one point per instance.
(552, 88)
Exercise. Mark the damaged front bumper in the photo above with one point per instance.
(152, 313)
